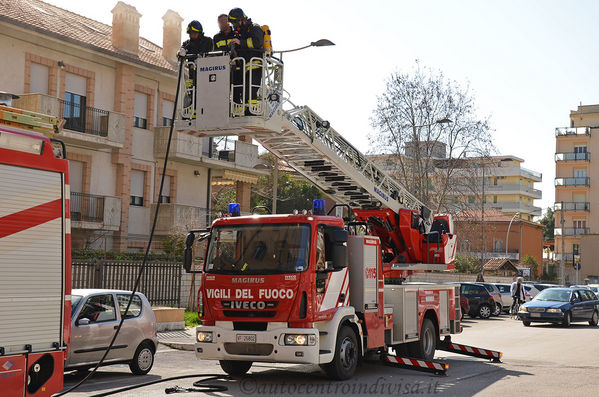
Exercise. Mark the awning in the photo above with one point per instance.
(228, 177)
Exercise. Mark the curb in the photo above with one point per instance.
(179, 345)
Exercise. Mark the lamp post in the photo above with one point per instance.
(317, 43)
(507, 236)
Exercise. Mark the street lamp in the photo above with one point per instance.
(507, 236)
(317, 43)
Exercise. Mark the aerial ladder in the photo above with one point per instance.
(412, 238)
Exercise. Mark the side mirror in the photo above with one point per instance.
(188, 253)
(339, 255)
(83, 321)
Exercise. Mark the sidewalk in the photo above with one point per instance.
(181, 340)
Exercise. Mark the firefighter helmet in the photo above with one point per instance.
(194, 27)
(236, 14)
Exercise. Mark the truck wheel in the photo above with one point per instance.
(142, 360)
(426, 346)
(235, 368)
(345, 360)
(484, 311)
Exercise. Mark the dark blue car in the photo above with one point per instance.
(562, 306)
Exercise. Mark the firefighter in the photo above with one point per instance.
(197, 43)
(222, 40)
(247, 43)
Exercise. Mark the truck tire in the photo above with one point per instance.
(425, 347)
(143, 359)
(345, 360)
(235, 368)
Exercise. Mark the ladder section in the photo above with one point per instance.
(318, 152)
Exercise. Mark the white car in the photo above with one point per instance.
(531, 291)
(506, 296)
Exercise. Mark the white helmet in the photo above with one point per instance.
(520, 279)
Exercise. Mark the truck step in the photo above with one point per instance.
(447, 345)
(416, 364)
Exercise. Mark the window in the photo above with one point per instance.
(137, 187)
(498, 246)
(495, 199)
(140, 113)
(504, 289)
(495, 181)
(74, 111)
(98, 309)
(471, 199)
(38, 78)
(520, 182)
(575, 249)
(580, 173)
(529, 184)
(580, 149)
(580, 223)
(167, 113)
(166, 190)
(134, 309)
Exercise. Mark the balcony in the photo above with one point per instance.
(571, 231)
(90, 211)
(177, 218)
(89, 126)
(515, 207)
(568, 257)
(511, 171)
(513, 189)
(572, 131)
(185, 148)
(575, 181)
(572, 156)
(573, 206)
(512, 255)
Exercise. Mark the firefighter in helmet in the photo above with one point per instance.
(222, 40)
(248, 43)
(197, 43)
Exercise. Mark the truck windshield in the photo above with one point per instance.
(258, 249)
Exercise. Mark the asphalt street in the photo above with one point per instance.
(539, 360)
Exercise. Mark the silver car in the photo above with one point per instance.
(95, 315)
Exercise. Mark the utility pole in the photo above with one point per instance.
(562, 265)
(275, 185)
(482, 225)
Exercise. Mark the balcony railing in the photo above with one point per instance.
(573, 206)
(511, 189)
(87, 119)
(533, 174)
(572, 156)
(178, 218)
(576, 181)
(568, 257)
(87, 207)
(565, 131)
(571, 231)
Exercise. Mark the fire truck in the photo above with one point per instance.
(35, 265)
(313, 287)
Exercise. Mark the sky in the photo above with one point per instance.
(527, 62)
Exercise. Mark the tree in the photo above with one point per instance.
(293, 191)
(530, 262)
(548, 221)
(467, 264)
(430, 156)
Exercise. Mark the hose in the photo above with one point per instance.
(200, 385)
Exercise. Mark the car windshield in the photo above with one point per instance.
(259, 249)
(74, 302)
(552, 294)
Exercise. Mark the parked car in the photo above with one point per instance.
(561, 305)
(506, 296)
(496, 294)
(592, 288)
(95, 315)
(480, 300)
(530, 291)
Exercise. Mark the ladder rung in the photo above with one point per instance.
(313, 163)
(322, 168)
(340, 184)
(334, 178)
(344, 188)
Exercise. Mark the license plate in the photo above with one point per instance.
(535, 314)
(246, 338)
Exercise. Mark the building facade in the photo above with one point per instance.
(577, 194)
(115, 92)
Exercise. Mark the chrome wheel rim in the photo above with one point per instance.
(145, 358)
(347, 353)
(485, 311)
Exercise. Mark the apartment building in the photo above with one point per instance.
(115, 92)
(577, 194)
(500, 181)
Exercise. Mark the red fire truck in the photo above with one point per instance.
(35, 265)
(313, 288)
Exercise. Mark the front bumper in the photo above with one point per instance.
(543, 317)
(269, 346)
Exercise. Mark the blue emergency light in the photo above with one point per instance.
(234, 209)
(318, 207)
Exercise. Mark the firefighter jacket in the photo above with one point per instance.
(200, 46)
(222, 40)
(251, 37)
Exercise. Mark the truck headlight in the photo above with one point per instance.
(554, 310)
(300, 340)
(204, 337)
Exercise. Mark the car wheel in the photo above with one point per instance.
(235, 368)
(484, 311)
(345, 360)
(143, 360)
(567, 319)
(594, 320)
(526, 323)
(497, 310)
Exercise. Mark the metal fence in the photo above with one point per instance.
(87, 207)
(84, 118)
(160, 283)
